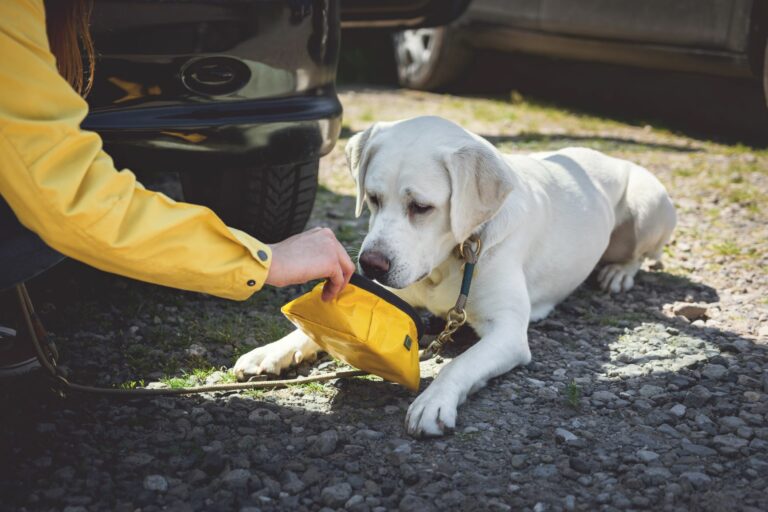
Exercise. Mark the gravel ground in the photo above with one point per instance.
(652, 400)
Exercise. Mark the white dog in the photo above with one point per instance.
(545, 221)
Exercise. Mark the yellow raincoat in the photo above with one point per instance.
(62, 186)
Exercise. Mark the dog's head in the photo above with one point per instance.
(429, 184)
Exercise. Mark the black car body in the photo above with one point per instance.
(237, 96)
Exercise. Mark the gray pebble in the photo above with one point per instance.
(325, 444)
(604, 396)
(336, 495)
(263, 416)
(156, 483)
(697, 397)
(649, 390)
(714, 371)
(237, 478)
(678, 410)
(564, 436)
(647, 455)
(697, 479)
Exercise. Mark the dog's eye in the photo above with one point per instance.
(374, 200)
(419, 209)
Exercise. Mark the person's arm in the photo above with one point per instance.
(62, 186)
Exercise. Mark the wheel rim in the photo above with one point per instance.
(415, 50)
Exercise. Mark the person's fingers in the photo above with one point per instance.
(334, 284)
(347, 267)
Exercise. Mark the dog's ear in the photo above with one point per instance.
(480, 182)
(356, 151)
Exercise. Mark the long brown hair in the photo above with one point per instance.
(68, 26)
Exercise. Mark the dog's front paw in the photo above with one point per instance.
(433, 413)
(275, 357)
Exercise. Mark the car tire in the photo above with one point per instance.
(430, 59)
(270, 204)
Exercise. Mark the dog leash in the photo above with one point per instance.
(469, 252)
(47, 354)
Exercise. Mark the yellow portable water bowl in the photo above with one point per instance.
(366, 326)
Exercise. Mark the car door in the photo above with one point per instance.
(706, 24)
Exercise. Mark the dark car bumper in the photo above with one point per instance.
(206, 85)
(241, 134)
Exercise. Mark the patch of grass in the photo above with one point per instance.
(727, 248)
(367, 116)
(348, 233)
(373, 378)
(573, 394)
(684, 173)
(255, 394)
(133, 384)
(465, 437)
(314, 388)
(196, 377)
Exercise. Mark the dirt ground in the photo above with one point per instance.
(632, 402)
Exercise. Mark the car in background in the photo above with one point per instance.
(236, 96)
(722, 37)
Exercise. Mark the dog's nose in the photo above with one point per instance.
(374, 264)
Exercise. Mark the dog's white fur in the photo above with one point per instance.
(545, 220)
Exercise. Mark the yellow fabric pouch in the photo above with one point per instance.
(366, 326)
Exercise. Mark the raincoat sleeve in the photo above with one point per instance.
(61, 185)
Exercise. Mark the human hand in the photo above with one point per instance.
(314, 254)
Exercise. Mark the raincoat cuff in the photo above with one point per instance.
(256, 274)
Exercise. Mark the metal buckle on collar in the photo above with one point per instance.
(469, 251)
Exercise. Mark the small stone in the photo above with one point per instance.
(519, 461)
(649, 390)
(580, 465)
(409, 474)
(545, 471)
(678, 410)
(263, 416)
(197, 350)
(354, 502)
(647, 455)
(138, 459)
(604, 396)
(697, 396)
(291, 483)
(156, 483)
(413, 503)
(729, 444)
(714, 371)
(656, 475)
(697, 449)
(690, 311)
(336, 495)
(564, 436)
(730, 423)
(369, 434)
(237, 478)
(697, 479)
(326, 443)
